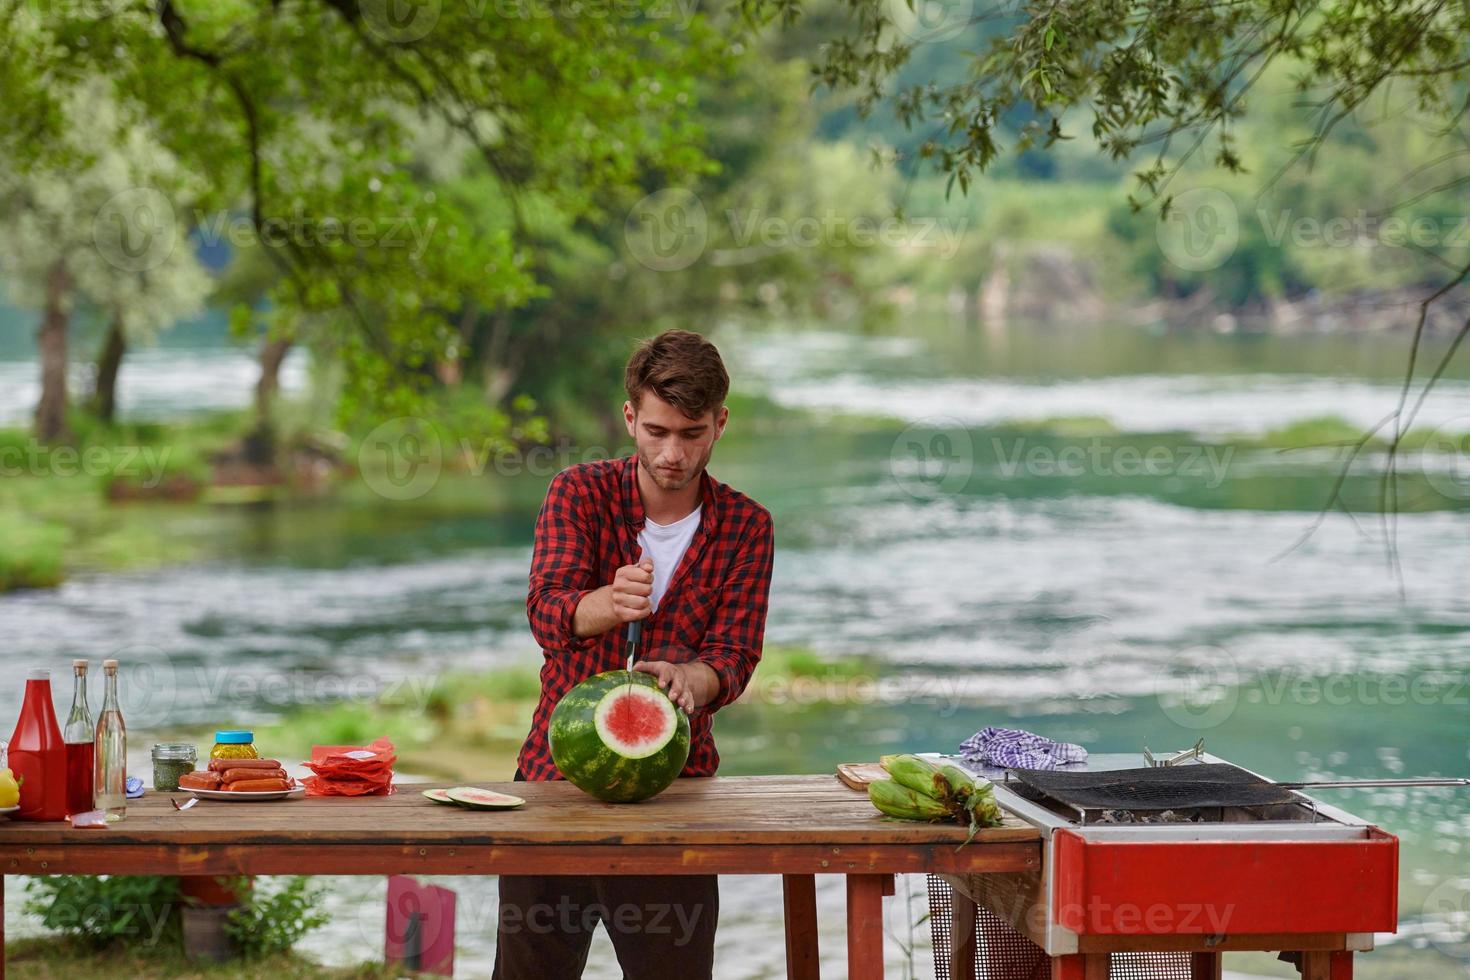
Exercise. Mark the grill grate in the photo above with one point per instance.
(1002, 953)
(1161, 788)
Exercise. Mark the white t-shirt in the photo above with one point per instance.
(664, 545)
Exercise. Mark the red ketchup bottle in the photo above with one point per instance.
(37, 754)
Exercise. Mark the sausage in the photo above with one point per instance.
(235, 775)
(199, 780)
(258, 785)
(220, 765)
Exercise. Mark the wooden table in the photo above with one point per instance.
(794, 826)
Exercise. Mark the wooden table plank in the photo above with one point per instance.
(742, 810)
(479, 859)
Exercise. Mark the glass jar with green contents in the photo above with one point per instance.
(170, 761)
(234, 745)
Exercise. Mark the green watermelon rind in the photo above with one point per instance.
(463, 796)
(439, 796)
(591, 765)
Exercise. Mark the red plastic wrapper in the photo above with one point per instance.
(351, 770)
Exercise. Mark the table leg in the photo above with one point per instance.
(962, 940)
(865, 925)
(1324, 965)
(800, 895)
(1205, 966)
(1081, 966)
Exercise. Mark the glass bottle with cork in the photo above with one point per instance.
(80, 738)
(110, 773)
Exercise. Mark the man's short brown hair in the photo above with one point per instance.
(682, 368)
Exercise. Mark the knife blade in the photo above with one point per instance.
(635, 630)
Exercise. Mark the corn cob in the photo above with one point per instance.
(914, 773)
(958, 784)
(985, 812)
(982, 812)
(900, 801)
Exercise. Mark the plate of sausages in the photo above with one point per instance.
(238, 780)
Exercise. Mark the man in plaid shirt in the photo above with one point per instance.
(649, 537)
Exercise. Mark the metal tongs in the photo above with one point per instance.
(1197, 752)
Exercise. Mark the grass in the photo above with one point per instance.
(45, 958)
(30, 552)
(52, 526)
(463, 726)
(1331, 431)
(55, 518)
(1067, 426)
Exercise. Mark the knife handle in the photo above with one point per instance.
(635, 630)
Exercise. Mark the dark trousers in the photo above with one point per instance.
(661, 925)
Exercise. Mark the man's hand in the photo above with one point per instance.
(632, 588)
(690, 685)
(625, 600)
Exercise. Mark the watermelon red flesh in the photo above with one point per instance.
(438, 795)
(618, 737)
(635, 721)
(483, 799)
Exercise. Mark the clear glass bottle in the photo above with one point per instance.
(111, 771)
(79, 736)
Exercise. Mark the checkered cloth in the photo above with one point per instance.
(1012, 748)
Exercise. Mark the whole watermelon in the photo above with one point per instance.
(618, 737)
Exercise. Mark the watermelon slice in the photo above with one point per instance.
(439, 796)
(618, 737)
(482, 799)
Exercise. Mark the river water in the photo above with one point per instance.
(1048, 530)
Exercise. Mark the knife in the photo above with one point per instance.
(635, 630)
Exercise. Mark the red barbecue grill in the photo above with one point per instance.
(1192, 860)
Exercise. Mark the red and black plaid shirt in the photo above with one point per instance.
(714, 609)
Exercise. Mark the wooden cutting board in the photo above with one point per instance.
(858, 775)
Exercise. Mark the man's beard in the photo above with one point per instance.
(662, 478)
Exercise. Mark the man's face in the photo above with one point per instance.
(672, 448)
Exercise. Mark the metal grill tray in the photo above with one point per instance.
(1155, 788)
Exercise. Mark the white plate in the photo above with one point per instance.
(235, 796)
(9, 809)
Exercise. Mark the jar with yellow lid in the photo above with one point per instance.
(234, 745)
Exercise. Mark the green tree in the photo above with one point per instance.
(1143, 75)
(301, 116)
(1155, 81)
(66, 238)
(780, 225)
